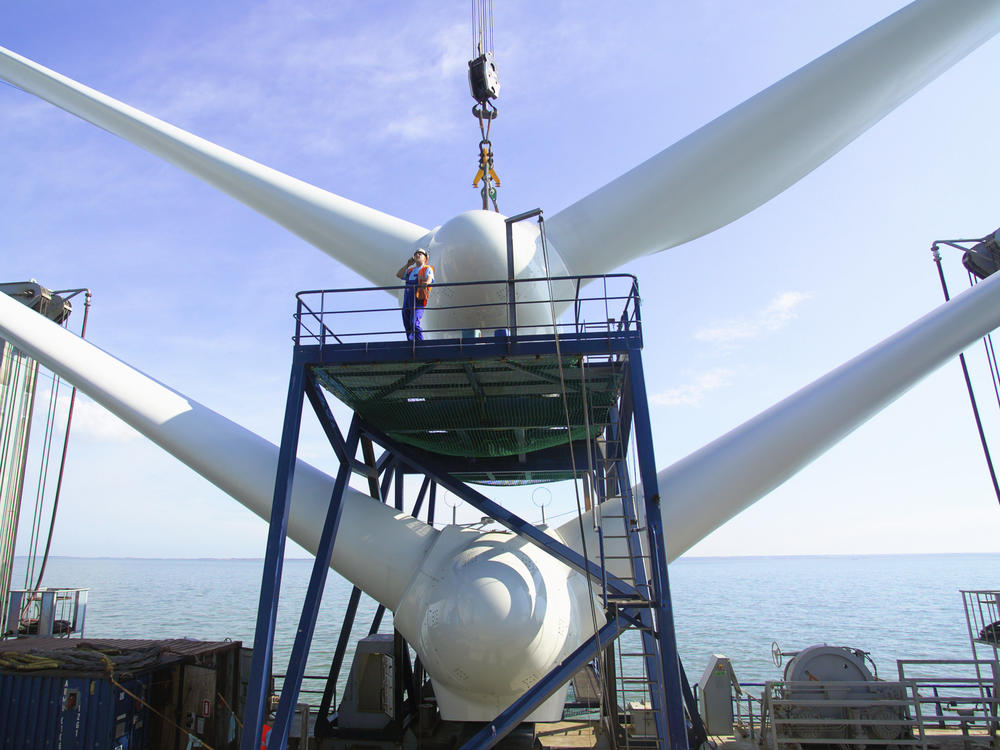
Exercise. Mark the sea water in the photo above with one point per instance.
(894, 606)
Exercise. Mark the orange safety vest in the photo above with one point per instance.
(423, 293)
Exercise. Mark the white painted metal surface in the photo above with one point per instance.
(747, 156)
(465, 600)
(231, 457)
(473, 247)
(708, 179)
(490, 614)
(701, 492)
(715, 483)
(468, 601)
(363, 239)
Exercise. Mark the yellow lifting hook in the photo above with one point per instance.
(485, 165)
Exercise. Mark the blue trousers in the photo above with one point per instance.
(413, 317)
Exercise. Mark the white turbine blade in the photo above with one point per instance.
(755, 151)
(234, 459)
(704, 490)
(363, 239)
(699, 493)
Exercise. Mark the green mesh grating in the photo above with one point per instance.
(482, 408)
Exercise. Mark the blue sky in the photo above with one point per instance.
(370, 101)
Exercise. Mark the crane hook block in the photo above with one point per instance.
(484, 83)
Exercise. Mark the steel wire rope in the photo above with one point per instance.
(36, 517)
(43, 473)
(8, 373)
(109, 666)
(482, 27)
(65, 448)
(12, 376)
(43, 476)
(991, 360)
(601, 656)
(9, 461)
(936, 255)
(490, 17)
(27, 374)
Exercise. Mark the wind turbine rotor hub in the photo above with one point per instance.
(472, 247)
(490, 614)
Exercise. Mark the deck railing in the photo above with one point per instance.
(842, 713)
(957, 693)
(585, 305)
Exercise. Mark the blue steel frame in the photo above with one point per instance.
(632, 610)
(270, 585)
(302, 382)
(670, 668)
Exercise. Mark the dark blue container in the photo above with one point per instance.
(72, 713)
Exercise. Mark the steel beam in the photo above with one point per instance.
(270, 585)
(495, 511)
(313, 598)
(670, 663)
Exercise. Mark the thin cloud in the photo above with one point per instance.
(94, 421)
(691, 394)
(775, 316)
(336, 66)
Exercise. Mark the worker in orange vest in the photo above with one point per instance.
(418, 275)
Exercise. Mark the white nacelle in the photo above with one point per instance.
(473, 247)
(490, 614)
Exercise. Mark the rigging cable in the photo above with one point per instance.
(18, 377)
(968, 381)
(484, 85)
(601, 652)
(43, 476)
(991, 355)
(62, 461)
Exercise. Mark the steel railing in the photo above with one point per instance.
(842, 713)
(599, 304)
(960, 694)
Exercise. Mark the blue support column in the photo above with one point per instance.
(338, 659)
(651, 648)
(676, 724)
(314, 596)
(270, 585)
(326, 421)
(386, 478)
(398, 504)
(431, 503)
(415, 512)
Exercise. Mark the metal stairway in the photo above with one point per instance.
(638, 670)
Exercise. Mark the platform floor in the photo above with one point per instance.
(481, 408)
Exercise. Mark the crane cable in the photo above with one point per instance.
(936, 255)
(484, 85)
(65, 447)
